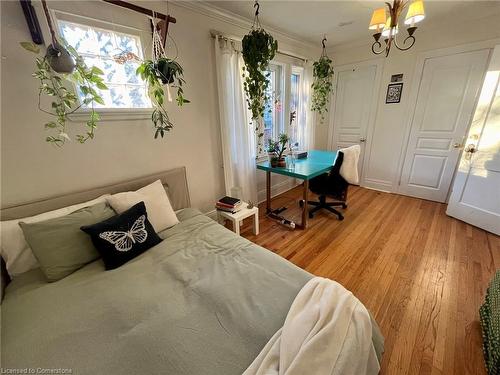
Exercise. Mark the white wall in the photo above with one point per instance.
(391, 120)
(32, 169)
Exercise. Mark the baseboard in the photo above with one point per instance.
(379, 185)
(278, 189)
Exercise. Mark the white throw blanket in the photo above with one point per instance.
(326, 331)
(349, 167)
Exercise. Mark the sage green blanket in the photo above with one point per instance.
(204, 301)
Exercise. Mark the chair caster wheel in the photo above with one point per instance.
(311, 216)
(301, 203)
(341, 217)
(344, 206)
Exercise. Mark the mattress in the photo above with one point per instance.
(203, 301)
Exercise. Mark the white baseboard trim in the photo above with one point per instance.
(379, 185)
(278, 189)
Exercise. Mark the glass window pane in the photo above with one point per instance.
(295, 107)
(98, 46)
(269, 111)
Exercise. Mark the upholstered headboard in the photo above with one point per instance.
(174, 181)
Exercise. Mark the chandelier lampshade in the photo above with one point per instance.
(416, 13)
(378, 19)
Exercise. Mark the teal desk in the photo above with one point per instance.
(316, 163)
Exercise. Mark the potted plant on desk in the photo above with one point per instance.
(275, 150)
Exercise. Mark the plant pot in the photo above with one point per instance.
(274, 162)
(281, 163)
(165, 71)
(60, 59)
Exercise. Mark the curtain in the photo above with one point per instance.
(305, 136)
(238, 138)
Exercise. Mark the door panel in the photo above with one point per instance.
(475, 197)
(445, 102)
(353, 102)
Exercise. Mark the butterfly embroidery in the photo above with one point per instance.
(124, 241)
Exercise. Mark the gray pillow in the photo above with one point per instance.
(60, 246)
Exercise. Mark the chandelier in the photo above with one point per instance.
(387, 27)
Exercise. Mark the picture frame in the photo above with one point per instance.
(394, 91)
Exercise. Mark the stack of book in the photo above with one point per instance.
(228, 204)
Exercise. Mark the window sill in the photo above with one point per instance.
(114, 114)
(261, 158)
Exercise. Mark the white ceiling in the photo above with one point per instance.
(347, 21)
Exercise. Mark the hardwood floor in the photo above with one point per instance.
(422, 274)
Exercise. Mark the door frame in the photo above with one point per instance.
(379, 67)
(415, 89)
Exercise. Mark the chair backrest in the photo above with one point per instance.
(337, 185)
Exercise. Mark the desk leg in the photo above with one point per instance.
(305, 214)
(268, 192)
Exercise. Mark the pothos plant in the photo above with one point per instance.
(259, 48)
(322, 85)
(64, 99)
(158, 74)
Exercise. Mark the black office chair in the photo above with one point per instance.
(332, 185)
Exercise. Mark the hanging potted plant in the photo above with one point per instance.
(259, 48)
(61, 64)
(160, 74)
(276, 149)
(322, 85)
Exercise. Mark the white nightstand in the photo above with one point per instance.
(238, 217)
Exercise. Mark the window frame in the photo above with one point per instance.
(287, 70)
(107, 114)
(300, 116)
(279, 118)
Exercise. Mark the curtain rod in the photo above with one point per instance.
(215, 34)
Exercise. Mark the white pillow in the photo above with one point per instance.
(160, 212)
(15, 251)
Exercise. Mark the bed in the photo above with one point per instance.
(203, 301)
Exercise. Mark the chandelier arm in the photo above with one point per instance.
(379, 45)
(411, 38)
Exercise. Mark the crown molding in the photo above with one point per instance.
(212, 11)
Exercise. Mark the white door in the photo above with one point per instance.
(445, 102)
(475, 196)
(352, 108)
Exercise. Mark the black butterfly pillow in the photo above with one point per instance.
(123, 237)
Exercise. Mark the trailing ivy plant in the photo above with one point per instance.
(322, 85)
(157, 74)
(64, 100)
(259, 49)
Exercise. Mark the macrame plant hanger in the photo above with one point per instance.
(158, 51)
(162, 25)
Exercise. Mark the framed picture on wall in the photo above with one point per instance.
(394, 91)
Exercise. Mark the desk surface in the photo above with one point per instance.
(316, 163)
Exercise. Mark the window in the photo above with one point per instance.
(296, 112)
(273, 116)
(283, 103)
(98, 46)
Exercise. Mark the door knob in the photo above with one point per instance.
(471, 148)
(362, 140)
